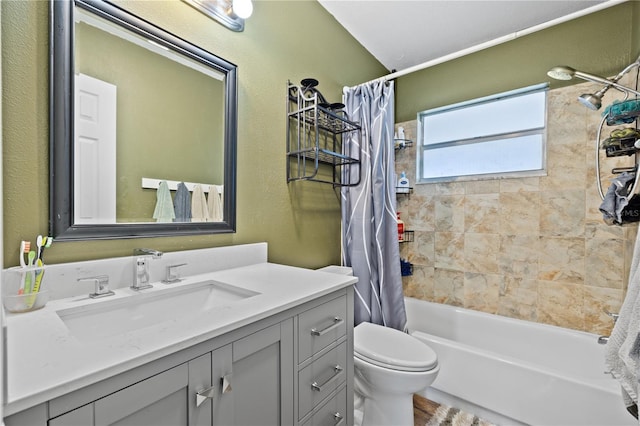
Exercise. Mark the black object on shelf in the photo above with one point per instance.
(406, 268)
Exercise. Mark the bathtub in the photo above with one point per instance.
(514, 372)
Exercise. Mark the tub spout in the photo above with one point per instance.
(603, 340)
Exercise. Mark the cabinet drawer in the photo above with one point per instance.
(324, 375)
(333, 413)
(320, 326)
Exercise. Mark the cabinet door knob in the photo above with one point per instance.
(226, 383)
(205, 394)
(338, 418)
(336, 322)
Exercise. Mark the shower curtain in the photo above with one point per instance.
(369, 226)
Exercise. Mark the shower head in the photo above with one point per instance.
(591, 100)
(564, 72)
(561, 72)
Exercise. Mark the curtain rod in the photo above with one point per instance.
(499, 40)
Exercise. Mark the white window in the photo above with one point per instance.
(496, 136)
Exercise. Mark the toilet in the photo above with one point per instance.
(390, 366)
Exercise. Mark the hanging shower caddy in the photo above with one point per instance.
(315, 132)
(621, 142)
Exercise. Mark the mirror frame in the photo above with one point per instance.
(61, 133)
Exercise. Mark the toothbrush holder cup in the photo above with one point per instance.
(24, 289)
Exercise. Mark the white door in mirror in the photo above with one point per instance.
(95, 151)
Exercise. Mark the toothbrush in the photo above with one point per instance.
(25, 246)
(39, 244)
(29, 276)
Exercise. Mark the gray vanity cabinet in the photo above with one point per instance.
(292, 368)
(160, 399)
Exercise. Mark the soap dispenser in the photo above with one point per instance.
(403, 183)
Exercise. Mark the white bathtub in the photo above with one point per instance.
(516, 371)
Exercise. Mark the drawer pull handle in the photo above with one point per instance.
(336, 322)
(337, 371)
(339, 418)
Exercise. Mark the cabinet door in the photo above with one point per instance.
(167, 398)
(251, 391)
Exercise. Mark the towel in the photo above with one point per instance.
(199, 211)
(214, 204)
(182, 204)
(622, 356)
(164, 206)
(616, 199)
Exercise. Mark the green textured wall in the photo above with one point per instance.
(282, 40)
(600, 43)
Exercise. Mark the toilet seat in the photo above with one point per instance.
(390, 348)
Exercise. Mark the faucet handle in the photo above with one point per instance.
(613, 315)
(171, 277)
(101, 286)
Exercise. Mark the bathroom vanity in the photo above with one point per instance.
(261, 344)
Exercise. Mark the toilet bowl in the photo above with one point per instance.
(390, 366)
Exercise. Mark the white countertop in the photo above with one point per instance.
(45, 360)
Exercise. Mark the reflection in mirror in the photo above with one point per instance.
(148, 108)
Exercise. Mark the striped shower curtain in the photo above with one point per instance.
(369, 227)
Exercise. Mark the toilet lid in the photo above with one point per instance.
(391, 348)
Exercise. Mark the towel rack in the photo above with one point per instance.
(152, 183)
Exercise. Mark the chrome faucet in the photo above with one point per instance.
(141, 276)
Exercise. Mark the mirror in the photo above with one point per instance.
(131, 106)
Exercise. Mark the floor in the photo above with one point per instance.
(423, 410)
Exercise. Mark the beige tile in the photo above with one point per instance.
(518, 255)
(562, 213)
(419, 211)
(519, 213)
(562, 259)
(421, 284)
(448, 287)
(597, 300)
(519, 298)
(481, 291)
(604, 263)
(530, 184)
(599, 229)
(422, 250)
(449, 213)
(561, 304)
(481, 252)
(450, 188)
(491, 186)
(449, 251)
(481, 213)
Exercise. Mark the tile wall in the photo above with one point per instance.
(530, 248)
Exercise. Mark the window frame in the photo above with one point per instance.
(542, 131)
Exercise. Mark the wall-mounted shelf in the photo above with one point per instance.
(314, 138)
(402, 143)
(407, 237)
(403, 190)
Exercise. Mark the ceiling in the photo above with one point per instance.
(405, 33)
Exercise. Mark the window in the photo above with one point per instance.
(495, 136)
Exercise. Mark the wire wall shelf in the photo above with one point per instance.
(315, 150)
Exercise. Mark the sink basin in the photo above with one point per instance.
(146, 309)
